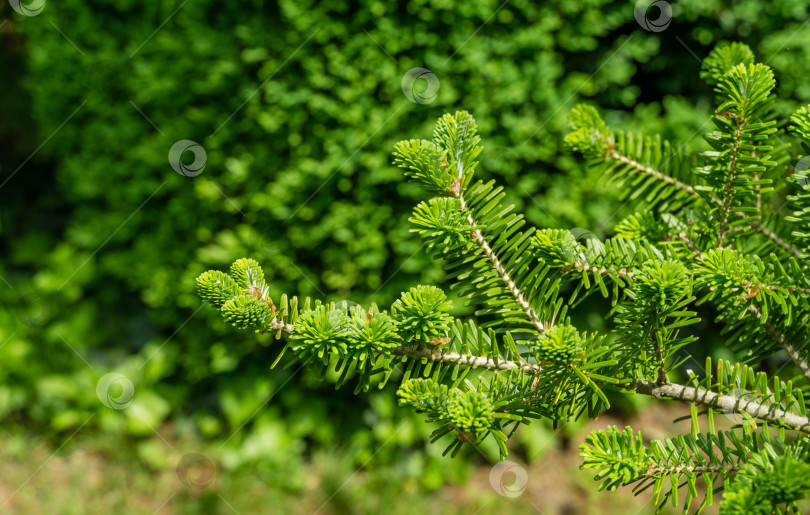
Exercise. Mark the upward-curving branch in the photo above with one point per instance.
(519, 358)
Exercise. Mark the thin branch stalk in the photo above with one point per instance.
(621, 272)
(728, 403)
(659, 356)
(761, 411)
(690, 244)
(757, 225)
(776, 239)
(653, 172)
(502, 273)
(655, 471)
(783, 342)
(464, 359)
(732, 172)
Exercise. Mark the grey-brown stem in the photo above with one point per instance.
(761, 411)
(463, 359)
(783, 342)
(655, 470)
(502, 273)
(653, 172)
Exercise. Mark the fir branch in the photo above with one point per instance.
(659, 357)
(783, 342)
(524, 360)
(654, 471)
(732, 173)
(658, 390)
(463, 359)
(601, 270)
(421, 352)
(658, 170)
(499, 268)
(612, 154)
(758, 225)
(689, 243)
(280, 326)
(728, 403)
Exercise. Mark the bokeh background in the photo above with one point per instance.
(297, 105)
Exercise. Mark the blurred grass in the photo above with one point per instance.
(92, 473)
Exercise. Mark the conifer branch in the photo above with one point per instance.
(757, 224)
(689, 244)
(612, 154)
(659, 389)
(526, 369)
(728, 403)
(783, 342)
(421, 352)
(659, 357)
(462, 359)
(499, 268)
(732, 172)
(278, 325)
(654, 471)
(601, 270)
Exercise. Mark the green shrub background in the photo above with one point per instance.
(298, 108)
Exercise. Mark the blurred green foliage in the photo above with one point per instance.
(298, 105)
